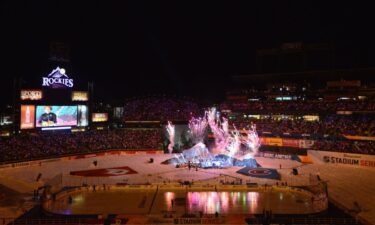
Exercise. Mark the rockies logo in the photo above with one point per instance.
(260, 172)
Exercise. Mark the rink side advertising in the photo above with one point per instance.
(342, 158)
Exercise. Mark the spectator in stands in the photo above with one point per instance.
(160, 109)
(32, 146)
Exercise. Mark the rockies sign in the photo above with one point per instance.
(57, 79)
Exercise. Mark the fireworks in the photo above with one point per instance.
(227, 146)
(197, 127)
(227, 142)
(171, 132)
(252, 141)
(234, 143)
(219, 129)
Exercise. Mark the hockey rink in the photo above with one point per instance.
(345, 184)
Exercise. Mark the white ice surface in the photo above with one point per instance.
(346, 184)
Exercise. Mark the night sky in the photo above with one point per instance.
(132, 48)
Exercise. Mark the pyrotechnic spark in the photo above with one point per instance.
(219, 129)
(197, 127)
(234, 142)
(171, 132)
(252, 141)
(226, 142)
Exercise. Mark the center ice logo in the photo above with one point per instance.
(260, 172)
(105, 172)
(117, 172)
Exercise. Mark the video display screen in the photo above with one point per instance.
(83, 116)
(118, 112)
(52, 116)
(27, 116)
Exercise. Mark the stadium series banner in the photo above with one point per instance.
(340, 158)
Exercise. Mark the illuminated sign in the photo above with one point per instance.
(31, 94)
(27, 116)
(311, 118)
(344, 112)
(56, 128)
(99, 117)
(5, 120)
(4, 133)
(57, 79)
(80, 96)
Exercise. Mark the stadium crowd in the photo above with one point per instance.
(31, 146)
(43, 145)
(362, 147)
(300, 106)
(327, 133)
(332, 125)
(160, 109)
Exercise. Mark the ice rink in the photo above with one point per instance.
(23, 179)
(345, 183)
(208, 202)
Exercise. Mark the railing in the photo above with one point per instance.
(56, 157)
(304, 220)
(319, 204)
(13, 221)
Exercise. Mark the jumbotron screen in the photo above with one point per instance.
(50, 116)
